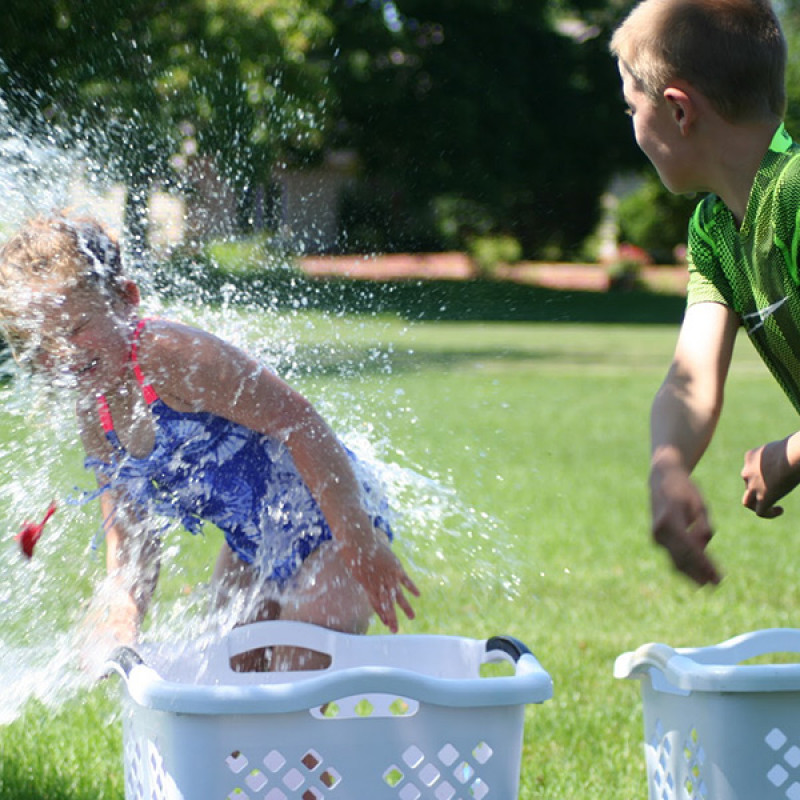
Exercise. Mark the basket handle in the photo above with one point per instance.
(717, 667)
(639, 662)
(269, 633)
(122, 661)
(511, 647)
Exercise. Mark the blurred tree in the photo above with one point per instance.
(471, 117)
(498, 111)
(149, 85)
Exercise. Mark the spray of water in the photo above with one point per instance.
(43, 600)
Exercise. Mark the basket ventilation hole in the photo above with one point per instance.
(330, 778)
(463, 772)
(311, 760)
(364, 708)
(413, 756)
(479, 789)
(393, 776)
(429, 774)
(444, 791)
(236, 762)
(409, 792)
(293, 779)
(482, 752)
(793, 792)
(400, 707)
(448, 754)
(274, 761)
(256, 780)
(778, 775)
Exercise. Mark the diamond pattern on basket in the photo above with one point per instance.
(417, 777)
(309, 778)
(659, 752)
(145, 775)
(789, 754)
(695, 756)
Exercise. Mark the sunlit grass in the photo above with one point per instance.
(540, 431)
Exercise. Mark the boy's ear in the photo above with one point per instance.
(682, 107)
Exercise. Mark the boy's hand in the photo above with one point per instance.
(770, 472)
(681, 523)
(379, 571)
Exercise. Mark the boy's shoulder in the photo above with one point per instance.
(776, 190)
(707, 215)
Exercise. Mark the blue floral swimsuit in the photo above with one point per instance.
(204, 467)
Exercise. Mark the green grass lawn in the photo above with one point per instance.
(537, 434)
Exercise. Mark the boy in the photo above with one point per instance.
(704, 84)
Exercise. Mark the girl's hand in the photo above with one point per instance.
(112, 620)
(373, 564)
(770, 472)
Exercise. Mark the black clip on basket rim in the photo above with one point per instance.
(126, 658)
(509, 645)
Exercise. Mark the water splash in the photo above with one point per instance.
(43, 601)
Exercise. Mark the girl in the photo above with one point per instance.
(176, 421)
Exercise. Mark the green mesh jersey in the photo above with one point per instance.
(754, 269)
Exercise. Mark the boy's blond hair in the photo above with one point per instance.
(733, 51)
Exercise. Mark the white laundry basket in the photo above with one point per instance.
(716, 728)
(401, 717)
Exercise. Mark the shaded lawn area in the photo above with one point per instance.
(284, 289)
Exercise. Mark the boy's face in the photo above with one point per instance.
(658, 135)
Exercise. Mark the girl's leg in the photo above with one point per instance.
(238, 597)
(322, 593)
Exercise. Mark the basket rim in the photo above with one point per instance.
(716, 668)
(530, 683)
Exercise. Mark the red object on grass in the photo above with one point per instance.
(31, 532)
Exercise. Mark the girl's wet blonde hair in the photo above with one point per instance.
(733, 51)
(49, 254)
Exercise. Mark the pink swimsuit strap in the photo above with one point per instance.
(148, 392)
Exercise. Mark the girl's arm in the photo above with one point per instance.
(195, 371)
(133, 557)
(121, 601)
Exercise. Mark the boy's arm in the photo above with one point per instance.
(770, 472)
(684, 416)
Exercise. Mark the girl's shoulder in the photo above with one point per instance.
(180, 362)
(155, 336)
(160, 345)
